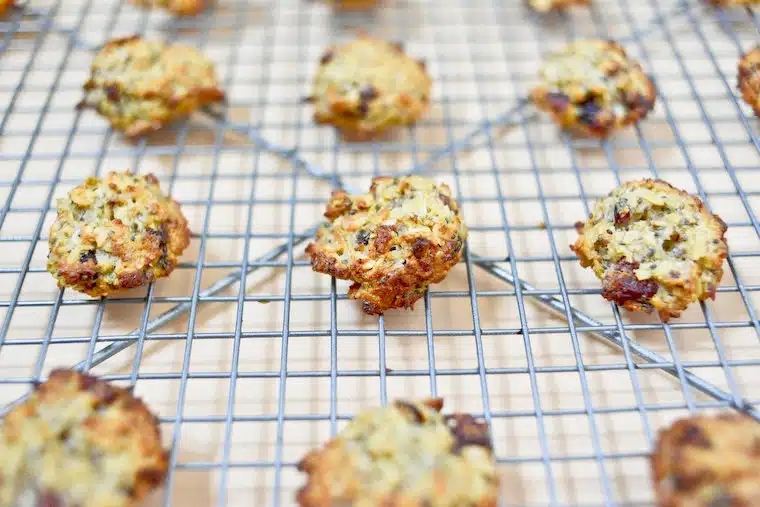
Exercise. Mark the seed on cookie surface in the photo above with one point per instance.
(79, 441)
(593, 87)
(393, 242)
(405, 454)
(140, 86)
(115, 233)
(655, 247)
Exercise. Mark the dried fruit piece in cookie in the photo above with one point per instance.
(367, 86)
(178, 7)
(115, 233)
(592, 87)
(405, 454)
(139, 86)
(552, 5)
(749, 78)
(79, 441)
(654, 247)
(393, 242)
(708, 461)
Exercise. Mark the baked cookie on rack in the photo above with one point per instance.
(708, 460)
(115, 233)
(749, 78)
(592, 87)
(139, 85)
(553, 5)
(367, 86)
(393, 242)
(405, 454)
(178, 7)
(353, 5)
(654, 247)
(5, 6)
(79, 441)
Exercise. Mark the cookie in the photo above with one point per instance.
(351, 5)
(79, 441)
(140, 86)
(553, 5)
(592, 87)
(393, 242)
(749, 78)
(367, 86)
(178, 7)
(115, 233)
(654, 247)
(405, 454)
(708, 461)
(5, 6)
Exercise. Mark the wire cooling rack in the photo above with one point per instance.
(247, 377)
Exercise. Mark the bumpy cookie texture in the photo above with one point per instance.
(140, 86)
(593, 88)
(553, 5)
(708, 461)
(393, 242)
(367, 86)
(115, 233)
(749, 78)
(407, 454)
(178, 7)
(654, 247)
(78, 441)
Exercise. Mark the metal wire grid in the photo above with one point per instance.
(242, 394)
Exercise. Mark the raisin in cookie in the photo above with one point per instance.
(406, 454)
(115, 233)
(178, 7)
(654, 247)
(79, 441)
(749, 78)
(553, 5)
(139, 86)
(708, 461)
(368, 86)
(593, 88)
(393, 242)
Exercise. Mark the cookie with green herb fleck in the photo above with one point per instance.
(654, 246)
(178, 7)
(368, 86)
(554, 5)
(393, 242)
(140, 86)
(79, 441)
(115, 233)
(407, 454)
(592, 87)
(708, 461)
(749, 78)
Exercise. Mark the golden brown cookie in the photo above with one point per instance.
(79, 441)
(654, 247)
(749, 78)
(407, 454)
(352, 5)
(5, 6)
(178, 7)
(367, 86)
(592, 87)
(393, 242)
(115, 233)
(553, 5)
(708, 461)
(139, 86)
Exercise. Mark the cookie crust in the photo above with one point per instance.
(655, 247)
(592, 87)
(704, 461)
(178, 7)
(367, 86)
(353, 5)
(115, 233)
(749, 78)
(80, 441)
(553, 5)
(393, 242)
(140, 86)
(406, 454)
